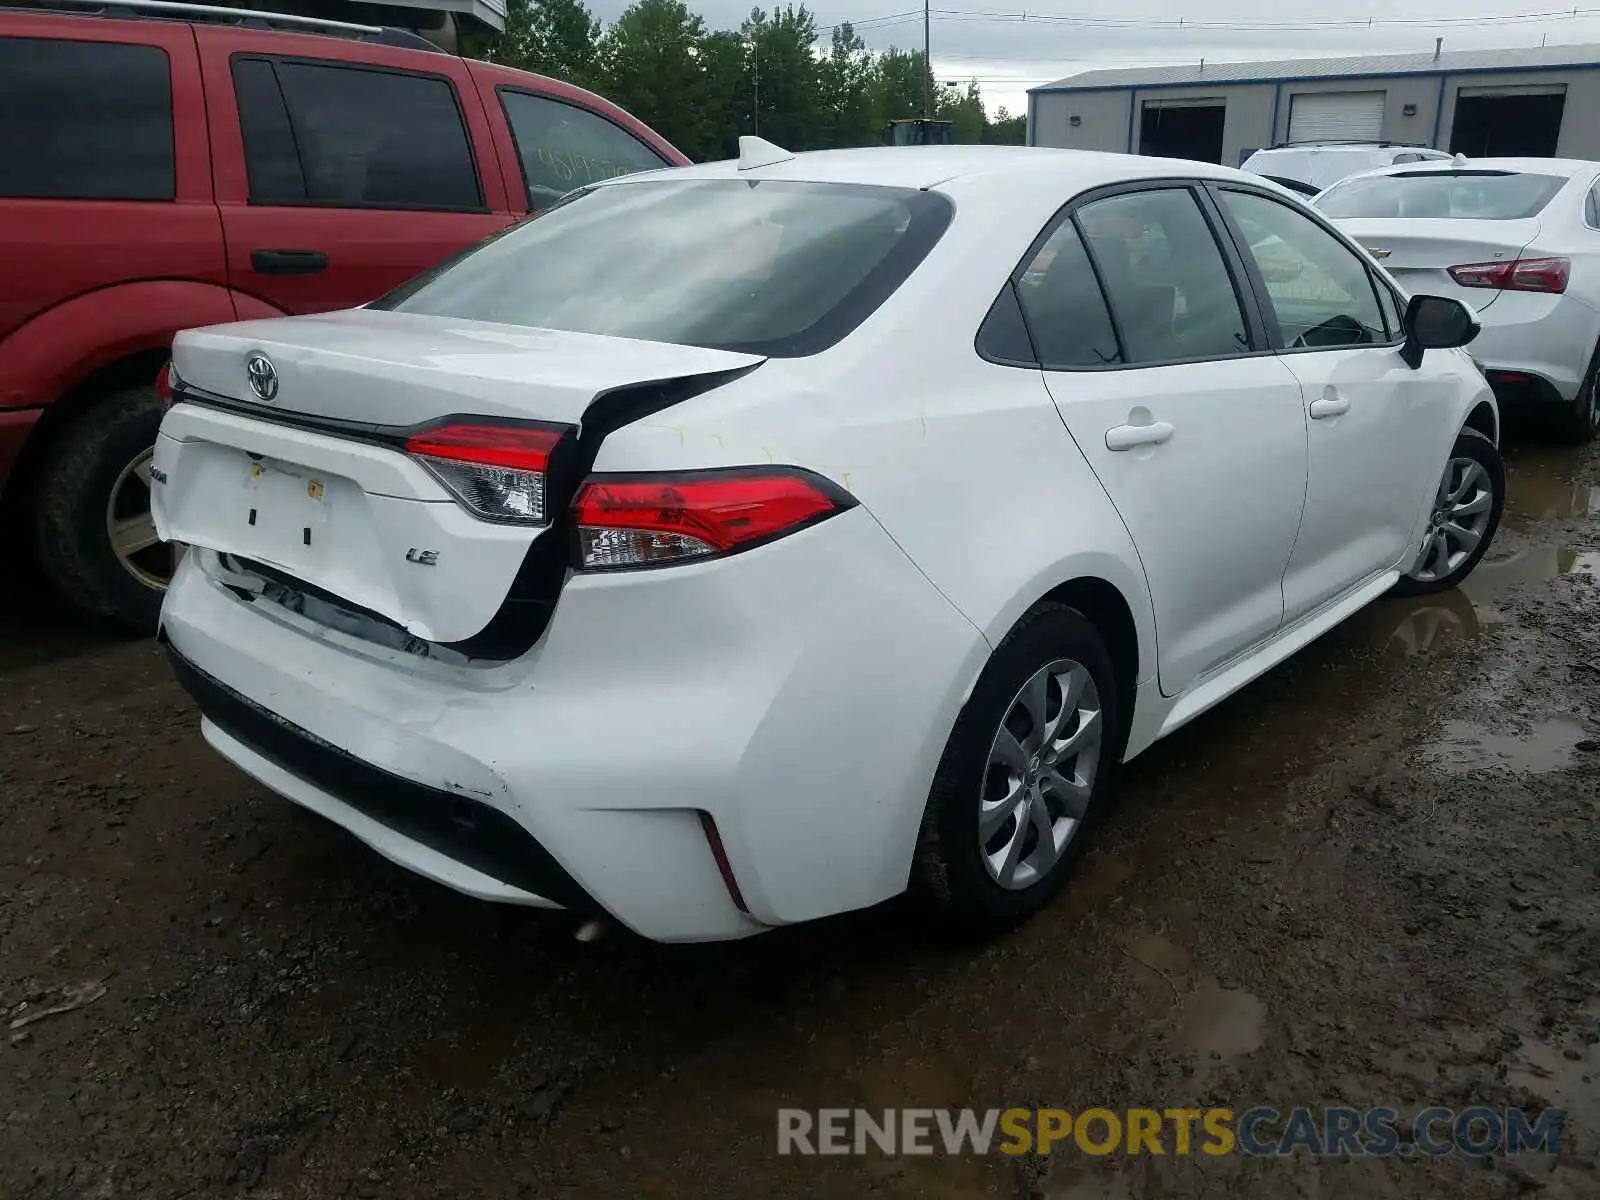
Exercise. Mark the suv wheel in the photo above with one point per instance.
(95, 535)
(1023, 777)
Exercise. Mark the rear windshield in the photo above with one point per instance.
(1475, 195)
(768, 267)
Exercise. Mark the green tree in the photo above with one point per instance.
(1006, 130)
(963, 109)
(845, 81)
(787, 76)
(725, 62)
(650, 63)
(897, 87)
(553, 37)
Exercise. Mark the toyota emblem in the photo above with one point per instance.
(263, 376)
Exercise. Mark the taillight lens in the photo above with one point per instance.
(497, 471)
(646, 521)
(1518, 275)
(164, 381)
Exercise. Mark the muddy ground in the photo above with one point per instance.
(1371, 878)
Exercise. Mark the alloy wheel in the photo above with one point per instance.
(1462, 508)
(132, 528)
(1040, 774)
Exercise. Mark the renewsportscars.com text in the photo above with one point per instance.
(1478, 1132)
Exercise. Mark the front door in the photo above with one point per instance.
(1195, 431)
(1373, 423)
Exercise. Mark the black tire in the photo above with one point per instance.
(81, 467)
(1469, 444)
(1579, 422)
(949, 876)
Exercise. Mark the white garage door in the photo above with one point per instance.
(1336, 117)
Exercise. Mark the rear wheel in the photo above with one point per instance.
(95, 536)
(1580, 421)
(1023, 777)
(1466, 512)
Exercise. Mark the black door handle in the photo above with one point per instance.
(288, 262)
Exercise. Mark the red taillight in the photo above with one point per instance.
(1518, 275)
(497, 472)
(643, 521)
(164, 385)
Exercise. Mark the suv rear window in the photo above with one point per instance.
(1466, 195)
(85, 120)
(771, 267)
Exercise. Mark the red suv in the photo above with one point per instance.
(188, 169)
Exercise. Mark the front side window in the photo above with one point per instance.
(353, 137)
(1165, 278)
(562, 146)
(1064, 307)
(767, 267)
(1465, 194)
(1319, 288)
(85, 121)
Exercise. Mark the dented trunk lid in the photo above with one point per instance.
(305, 471)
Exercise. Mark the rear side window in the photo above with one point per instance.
(85, 120)
(562, 146)
(1170, 291)
(353, 137)
(1065, 309)
(1463, 195)
(1591, 206)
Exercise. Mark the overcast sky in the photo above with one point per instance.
(990, 41)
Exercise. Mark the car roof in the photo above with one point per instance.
(1363, 147)
(1568, 167)
(938, 167)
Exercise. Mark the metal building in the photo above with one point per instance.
(1537, 101)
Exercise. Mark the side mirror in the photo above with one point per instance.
(1435, 323)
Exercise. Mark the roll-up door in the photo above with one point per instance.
(1336, 117)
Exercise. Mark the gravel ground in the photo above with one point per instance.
(1371, 878)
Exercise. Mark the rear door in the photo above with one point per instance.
(1193, 427)
(103, 180)
(337, 179)
(1374, 425)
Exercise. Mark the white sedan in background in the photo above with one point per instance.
(736, 545)
(1516, 238)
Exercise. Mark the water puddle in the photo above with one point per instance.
(1523, 556)
(1221, 1022)
(1467, 746)
(1539, 487)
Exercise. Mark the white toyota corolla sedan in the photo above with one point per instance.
(1516, 238)
(735, 545)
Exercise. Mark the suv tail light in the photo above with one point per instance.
(496, 471)
(164, 384)
(658, 520)
(1518, 275)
